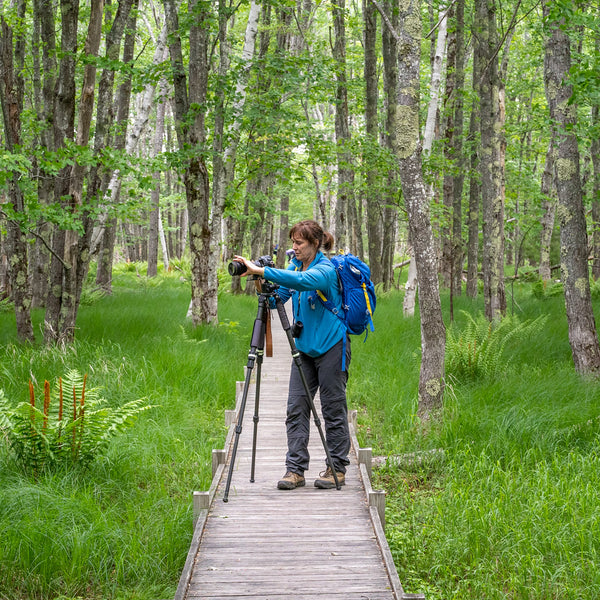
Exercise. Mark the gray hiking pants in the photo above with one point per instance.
(325, 374)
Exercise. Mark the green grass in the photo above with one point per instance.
(506, 507)
(511, 508)
(122, 528)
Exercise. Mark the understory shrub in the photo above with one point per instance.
(72, 425)
(478, 349)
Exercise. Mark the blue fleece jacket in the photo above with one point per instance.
(322, 329)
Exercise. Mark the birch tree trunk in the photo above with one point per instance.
(154, 225)
(573, 233)
(411, 287)
(107, 250)
(408, 151)
(145, 104)
(548, 212)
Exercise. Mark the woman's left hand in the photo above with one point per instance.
(252, 269)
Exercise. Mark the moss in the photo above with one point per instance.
(566, 169)
(406, 131)
(582, 285)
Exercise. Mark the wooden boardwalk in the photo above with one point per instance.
(302, 544)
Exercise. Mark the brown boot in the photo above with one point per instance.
(290, 481)
(326, 481)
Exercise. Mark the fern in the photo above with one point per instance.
(478, 350)
(73, 426)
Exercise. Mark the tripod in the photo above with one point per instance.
(255, 355)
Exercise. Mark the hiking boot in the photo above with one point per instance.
(326, 480)
(290, 481)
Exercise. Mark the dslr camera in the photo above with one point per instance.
(239, 268)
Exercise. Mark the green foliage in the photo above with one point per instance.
(546, 289)
(74, 425)
(477, 350)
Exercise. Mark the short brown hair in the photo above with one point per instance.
(311, 231)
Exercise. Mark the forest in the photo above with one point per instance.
(454, 145)
(461, 135)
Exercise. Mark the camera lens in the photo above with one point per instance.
(236, 268)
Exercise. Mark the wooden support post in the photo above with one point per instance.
(352, 417)
(218, 458)
(229, 417)
(377, 500)
(201, 502)
(406, 596)
(365, 457)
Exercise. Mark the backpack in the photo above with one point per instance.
(358, 293)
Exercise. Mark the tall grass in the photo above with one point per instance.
(511, 507)
(121, 529)
(507, 507)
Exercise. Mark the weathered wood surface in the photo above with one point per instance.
(302, 544)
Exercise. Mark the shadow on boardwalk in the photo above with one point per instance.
(270, 544)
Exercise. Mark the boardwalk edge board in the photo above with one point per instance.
(203, 502)
(202, 514)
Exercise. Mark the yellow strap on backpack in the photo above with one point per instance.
(364, 287)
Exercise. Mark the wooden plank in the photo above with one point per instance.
(271, 544)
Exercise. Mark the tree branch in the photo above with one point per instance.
(387, 21)
(37, 235)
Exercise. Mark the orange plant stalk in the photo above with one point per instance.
(46, 402)
(60, 399)
(82, 411)
(74, 442)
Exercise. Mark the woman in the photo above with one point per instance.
(320, 341)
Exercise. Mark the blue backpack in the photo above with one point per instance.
(358, 295)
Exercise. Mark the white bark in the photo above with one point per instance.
(145, 103)
(163, 241)
(232, 134)
(410, 296)
(435, 85)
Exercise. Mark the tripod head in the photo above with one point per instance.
(264, 287)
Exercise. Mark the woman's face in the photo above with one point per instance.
(304, 250)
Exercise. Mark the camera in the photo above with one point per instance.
(239, 268)
(296, 329)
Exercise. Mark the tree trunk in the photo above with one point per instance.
(491, 182)
(191, 134)
(105, 260)
(154, 222)
(457, 154)
(448, 134)
(373, 190)
(548, 212)
(390, 84)
(11, 99)
(344, 233)
(408, 152)
(472, 286)
(573, 233)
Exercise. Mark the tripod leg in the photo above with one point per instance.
(259, 360)
(256, 350)
(285, 323)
